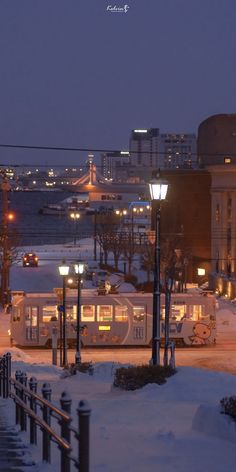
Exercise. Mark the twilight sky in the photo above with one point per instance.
(74, 74)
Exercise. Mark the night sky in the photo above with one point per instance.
(75, 74)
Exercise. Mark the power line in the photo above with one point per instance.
(107, 150)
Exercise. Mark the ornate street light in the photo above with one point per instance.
(158, 190)
(64, 271)
(79, 269)
(75, 216)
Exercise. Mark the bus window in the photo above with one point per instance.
(178, 312)
(48, 312)
(121, 313)
(138, 313)
(104, 313)
(196, 312)
(87, 313)
(31, 322)
(71, 312)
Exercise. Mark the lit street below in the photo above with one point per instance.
(221, 357)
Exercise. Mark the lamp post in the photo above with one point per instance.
(158, 190)
(75, 216)
(95, 235)
(79, 269)
(133, 210)
(64, 271)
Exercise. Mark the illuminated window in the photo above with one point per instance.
(87, 313)
(31, 323)
(71, 312)
(138, 314)
(227, 160)
(49, 312)
(178, 312)
(31, 315)
(104, 313)
(217, 213)
(121, 313)
(196, 312)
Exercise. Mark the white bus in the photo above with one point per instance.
(123, 319)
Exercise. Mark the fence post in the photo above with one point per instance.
(65, 401)
(46, 392)
(33, 406)
(172, 355)
(1, 376)
(4, 376)
(8, 372)
(84, 412)
(17, 377)
(54, 344)
(23, 418)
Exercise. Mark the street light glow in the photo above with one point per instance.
(75, 215)
(10, 216)
(158, 189)
(64, 269)
(79, 268)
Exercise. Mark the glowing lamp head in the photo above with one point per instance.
(10, 216)
(64, 269)
(158, 189)
(74, 215)
(79, 268)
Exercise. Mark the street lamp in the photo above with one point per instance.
(79, 269)
(75, 216)
(64, 271)
(158, 190)
(95, 235)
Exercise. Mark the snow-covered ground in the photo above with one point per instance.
(176, 427)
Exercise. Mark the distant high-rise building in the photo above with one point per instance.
(114, 165)
(178, 151)
(144, 145)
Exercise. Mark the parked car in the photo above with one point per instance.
(30, 260)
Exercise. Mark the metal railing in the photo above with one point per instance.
(29, 404)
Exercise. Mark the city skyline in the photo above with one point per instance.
(84, 76)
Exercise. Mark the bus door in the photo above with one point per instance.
(139, 324)
(31, 323)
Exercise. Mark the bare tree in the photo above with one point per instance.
(9, 251)
(147, 259)
(116, 246)
(106, 233)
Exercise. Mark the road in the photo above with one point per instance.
(221, 357)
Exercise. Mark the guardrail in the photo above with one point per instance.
(28, 403)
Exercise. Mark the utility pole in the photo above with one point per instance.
(5, 187)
